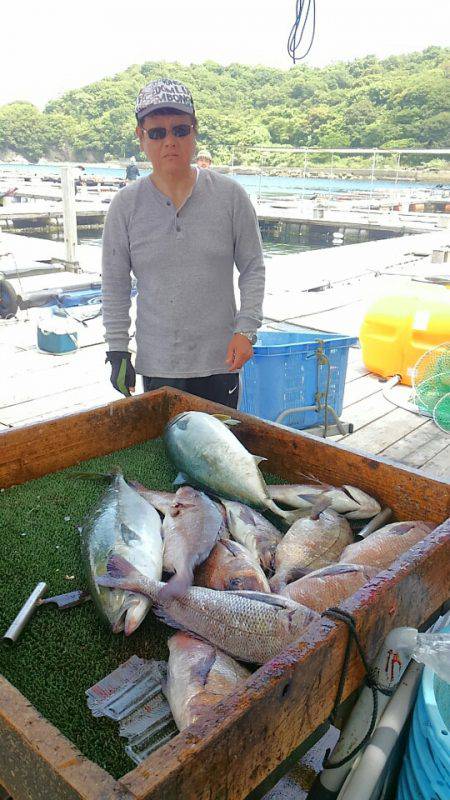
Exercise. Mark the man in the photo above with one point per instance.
(132, 171)
(180, 231)
(204, 159)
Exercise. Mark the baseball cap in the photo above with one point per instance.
(164, 93)
(204, 154)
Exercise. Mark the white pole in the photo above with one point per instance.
(70, 217)
(260, 177)
(372, 177)
(398, 167)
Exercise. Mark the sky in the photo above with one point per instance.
(51, 46)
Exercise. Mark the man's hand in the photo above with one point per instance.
(123, 376)
(239, 351)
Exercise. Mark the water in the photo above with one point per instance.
(265, 185)
(271, 247)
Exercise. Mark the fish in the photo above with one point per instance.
(199, 676)
(159, 499)
(383, 546)
(230, 566)
(249, 626)
(309, 544)
(190, 530)
(328, 586)
(124, 524)
(202, 447)
(253, 531)
(162, 501)
(347, 500)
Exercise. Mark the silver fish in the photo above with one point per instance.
(199, 675)
(382, 547)
(190, 529)
(309, 544)
(252, 627)
(123, 524)
(347, 500)
(253, 531)
(203, 447)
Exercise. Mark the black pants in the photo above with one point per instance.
(218, 388)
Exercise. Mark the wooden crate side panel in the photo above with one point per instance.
(252, 731)
(299, 456)
(37, 761)
(35, 450)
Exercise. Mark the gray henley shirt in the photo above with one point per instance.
(183, 263)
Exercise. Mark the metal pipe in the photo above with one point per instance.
(28, 608)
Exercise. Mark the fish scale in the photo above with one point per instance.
(246, 628)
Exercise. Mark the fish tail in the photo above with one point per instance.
(120, 574)
(289, 516)
(119, 567)
(177, 586)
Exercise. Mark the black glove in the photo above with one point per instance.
(123, 376)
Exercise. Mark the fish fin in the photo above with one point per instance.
(334, 569)
(233, 547)
(290, 516)
(321, 504)
(277, 583)
(176, 586)
(270, 599)
(309, 498)
(226, 419)
(182, 480)
(204, 666)
(258, 459)
(165, 617)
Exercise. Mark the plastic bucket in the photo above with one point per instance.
(425, 773)
(285, 373)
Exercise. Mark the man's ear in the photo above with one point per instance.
(139, 134)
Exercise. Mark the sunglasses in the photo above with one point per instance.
(160, 133)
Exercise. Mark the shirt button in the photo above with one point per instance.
(168, 203)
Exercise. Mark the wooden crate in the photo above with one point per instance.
(250, 733)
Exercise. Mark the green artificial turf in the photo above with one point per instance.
(60, 654)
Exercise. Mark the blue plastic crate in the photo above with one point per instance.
(284, 373)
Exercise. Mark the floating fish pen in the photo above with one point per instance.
(283, 707)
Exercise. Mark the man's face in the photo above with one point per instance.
(203, 162)
(172, 154)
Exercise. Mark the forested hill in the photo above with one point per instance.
(401, 101)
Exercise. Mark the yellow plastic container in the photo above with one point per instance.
(398, 328)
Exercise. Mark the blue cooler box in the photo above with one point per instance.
(57, 334)
(284, 373)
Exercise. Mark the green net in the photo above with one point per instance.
(431, 378)
(441, 413)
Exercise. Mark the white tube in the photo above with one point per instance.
(365, 777)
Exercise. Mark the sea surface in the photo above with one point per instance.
(264, 185)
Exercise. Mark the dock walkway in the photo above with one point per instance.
(38, 386)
